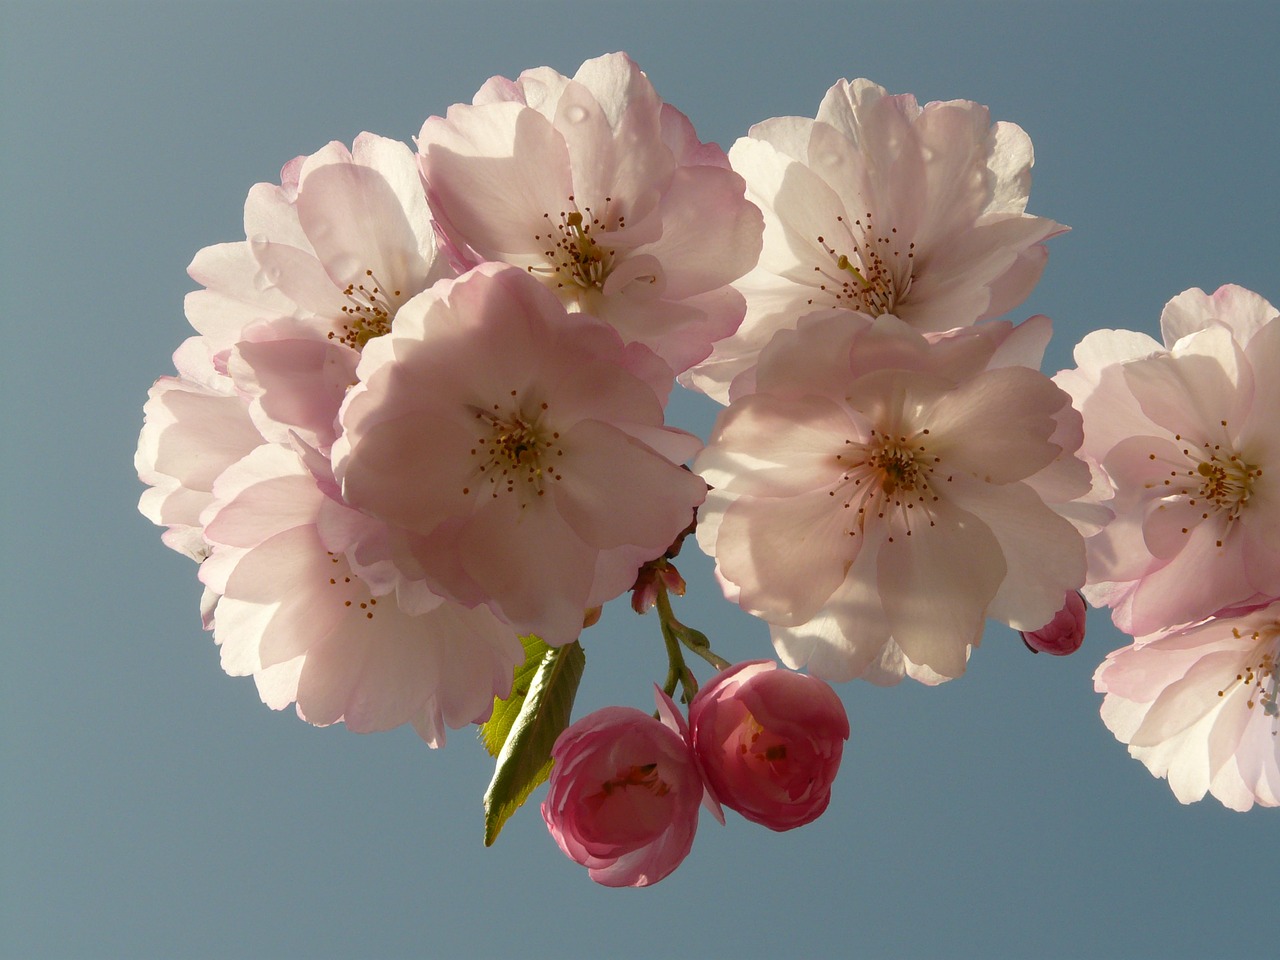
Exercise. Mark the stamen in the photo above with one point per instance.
(881, 274)
(351, 588)
(1260, 674)
(890, 475)
(641, 775)
(575, 256)
(1211, 475)
(513, 453)
(368, 313)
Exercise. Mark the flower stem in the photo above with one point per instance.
(695, 640)
(676, 668)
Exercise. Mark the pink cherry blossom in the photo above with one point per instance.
(769, 742)
(1063, 634)
(603, 192)
(879, 205)
(296, 616)
(1187, 438)
(331, 253)
(624, 794)
(281, 598)
(515, 452)
(881, 493)
(196, 426)
(341, 222)
(1197, 704)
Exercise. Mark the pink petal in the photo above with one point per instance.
(787, 554)
(604, 468)
(936, 587)
(769, 446)
(997, 425)
(532, 565)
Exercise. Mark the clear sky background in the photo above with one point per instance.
(153, 807)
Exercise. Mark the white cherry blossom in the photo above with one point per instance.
(329, 256)
(881, 206)
(604, 193)
(880, 494)
(296, 616)
(1197, 704)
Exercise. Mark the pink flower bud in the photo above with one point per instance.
(624, 794)
(769, 742)
(1064, 633)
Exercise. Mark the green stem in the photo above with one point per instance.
(675, 663)
(695, 640)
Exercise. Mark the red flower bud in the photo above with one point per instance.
(1064, 633)
(769, 742)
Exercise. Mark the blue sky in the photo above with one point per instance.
(153, 807)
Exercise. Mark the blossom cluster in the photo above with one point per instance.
(394, 459)
(419, 438)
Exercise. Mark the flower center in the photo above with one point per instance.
(1261, 673)
(772, 751)
(643, 775)
(897, 466)
(574, 256)
(1218, 480)
(1227, 482)
(367, 313)
(514, 453)
(889, 475)
(873, 274)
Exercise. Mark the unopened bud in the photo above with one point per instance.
(1064, 633)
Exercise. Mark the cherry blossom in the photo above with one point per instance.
(603, 192)
(515, 452)
(280, 596)
(1187, 437)
(624, 794)
(769, 742)
(879, 205)
(331, 254)
(1197, 704)
(881, 493)
(296, 616)
(195, 426)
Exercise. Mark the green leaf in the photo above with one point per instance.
(495, 730)
(524, 760)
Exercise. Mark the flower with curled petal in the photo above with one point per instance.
(769, 742)
(281, 598)
(235, 451)
(329, 256)
(881, 206)
(296, 616)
